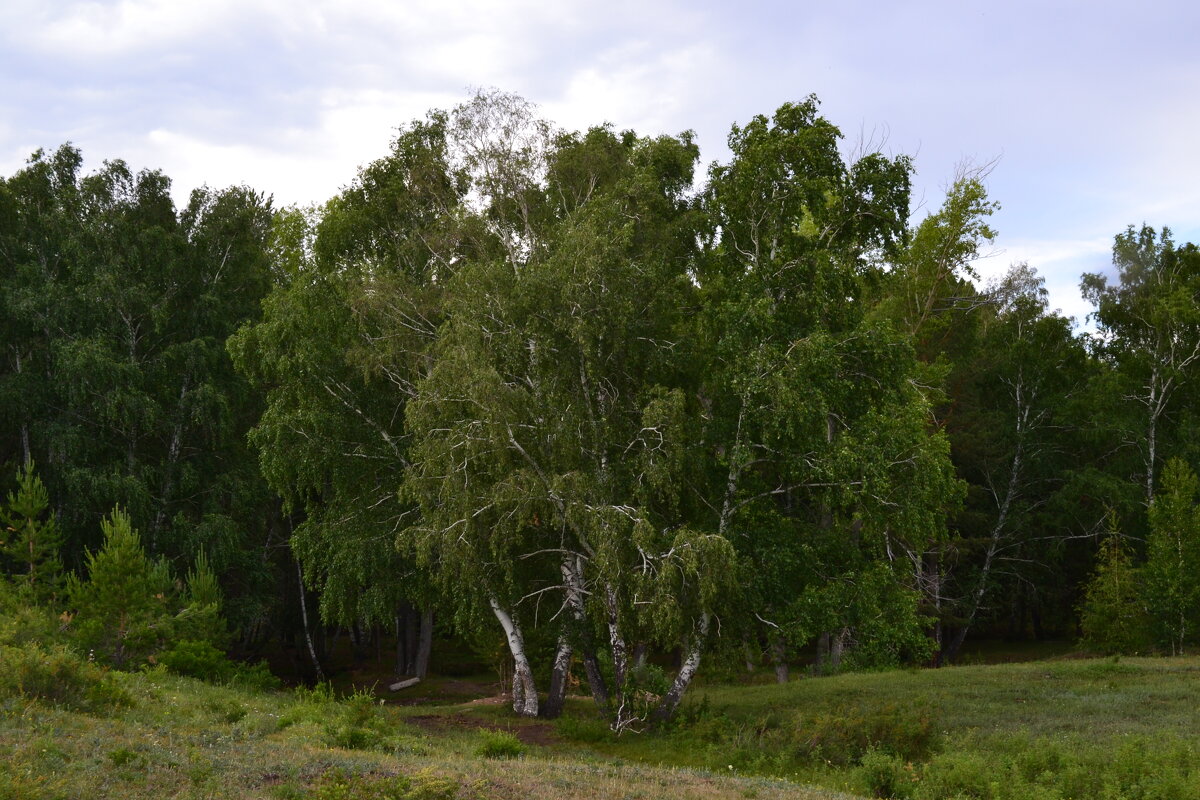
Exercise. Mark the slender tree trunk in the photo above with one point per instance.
(401, 656)
(639, 656)
(837, 648)
(27, 455)
(573, 581)
(779, 659)
(691, 662)
(412, 632)
(595, 679)
(312, 650)
(620, 659)
(524, 692)
(556, 698)
(1151, 455)
(425, 645)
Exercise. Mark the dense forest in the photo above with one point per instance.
(560, 393)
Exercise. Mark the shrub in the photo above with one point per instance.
(847, 734)
(255, 676)
(358, 725)
(885, 775)
(59, 676)
(499, 744)
(197, 660)
(21, 623)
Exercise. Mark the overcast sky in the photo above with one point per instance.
(1092, 108)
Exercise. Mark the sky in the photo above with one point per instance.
(1090, 111)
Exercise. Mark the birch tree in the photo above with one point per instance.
(1014, 394)
(340, 349)
(549, 436)
(820, 457)
(1148, 328)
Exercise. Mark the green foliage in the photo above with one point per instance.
(876, 610)
(357, 724)
(122, 610)
(22, 622)
(499, 744)
(1113, 616)
(255, 677)
(1172, 569)
(1148, 324)
(129, 609)
(886, 775)
(201, 619)
(30, 538)
(116, 307)
(197, 659)
(57, 675)
(1023, 769)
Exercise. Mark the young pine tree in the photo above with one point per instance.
(30, 538)
(201, 620)
(122, 611)
(1113, 615)
(1172, 570)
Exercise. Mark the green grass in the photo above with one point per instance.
(180, 738)
(1058, 729)
(1054, 729)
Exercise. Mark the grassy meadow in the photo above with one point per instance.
(1057, 729)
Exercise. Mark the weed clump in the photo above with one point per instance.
(339, 786)
(499, 744)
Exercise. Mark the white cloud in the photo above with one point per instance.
(129, 26)
(1091, 111)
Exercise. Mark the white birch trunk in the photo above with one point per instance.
(687, 671)
(524, 692)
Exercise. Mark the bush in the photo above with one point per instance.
(21, 623)
(255, 676)
(197, 660)
(499, 744)
(358, 725)
(887, 776)
(59, 676)
(847, 734)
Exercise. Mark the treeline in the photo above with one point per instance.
(557, 388)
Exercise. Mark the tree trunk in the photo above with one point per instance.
(425, 646)
(412, 630)
(401, 659)
(691, 662)
(779, 659)
(639, 656)
(617, 643)
(595, 679)
(312, 650)
(557, 697)
(837, 648)
(26, 453)
(524, 692)
(591, 667)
